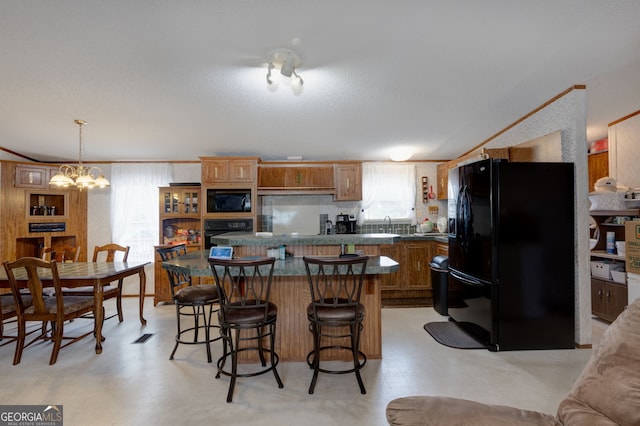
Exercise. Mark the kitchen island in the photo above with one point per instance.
(290, 290)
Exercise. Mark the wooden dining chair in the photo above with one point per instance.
(54, 310)
(106, 253)
(8, 312)
(61, 253)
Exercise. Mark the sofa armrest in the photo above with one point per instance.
(446, 411)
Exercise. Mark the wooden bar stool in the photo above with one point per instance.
(191, 301)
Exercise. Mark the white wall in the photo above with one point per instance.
(624, 152)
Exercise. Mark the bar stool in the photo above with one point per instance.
(335, 313)
(190, 301)
(244, 286)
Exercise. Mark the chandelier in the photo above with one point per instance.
(79, 176)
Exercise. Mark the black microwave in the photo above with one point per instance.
(228, 200)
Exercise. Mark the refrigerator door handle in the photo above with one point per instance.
(466, 280)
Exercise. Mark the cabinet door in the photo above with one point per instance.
(598, 292)
(442, 249)
(417, 256)
(348, 181)
(309, 177)
(31, 177)
(598, 167)
(242, 171)
(180, 201)
(296, 177)
(442, 181)
(616, 300)
(271, 177)
(191, 202)
(392, 281)
(215, 171)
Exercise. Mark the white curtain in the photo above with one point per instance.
(134, 206)
(388, 190)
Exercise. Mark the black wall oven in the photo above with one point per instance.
(213, 227)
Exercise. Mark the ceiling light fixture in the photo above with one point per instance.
(400, 154)
(287, 60)
(79, 176)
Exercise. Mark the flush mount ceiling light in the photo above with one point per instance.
(287, 60)
(400, 154)
(79, 176)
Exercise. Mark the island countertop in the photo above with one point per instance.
(197, 264)
(250, 239)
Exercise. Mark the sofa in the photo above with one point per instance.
(606, 393)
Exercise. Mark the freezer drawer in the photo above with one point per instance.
(474, 312)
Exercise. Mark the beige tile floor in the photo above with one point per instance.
(136, 384)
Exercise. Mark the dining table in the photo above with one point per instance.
(96, 274)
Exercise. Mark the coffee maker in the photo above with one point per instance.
(345, 224)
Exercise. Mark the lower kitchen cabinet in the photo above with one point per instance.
(411, 284)
(608, 299)
(442, 249)
(417, 256)
(392, 281)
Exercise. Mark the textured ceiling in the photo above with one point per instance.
(174, 80)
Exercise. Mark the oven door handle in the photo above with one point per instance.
(466, 279)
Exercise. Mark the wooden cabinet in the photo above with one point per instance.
(33, 176)
(417, 256)
(414, 272)
(180, 222)
(180, 201)
(442, 249)
(392, 281)
(442, 178)
(608, 297)
(598, 167)
(36, 216)
(314, 178)
(229, 169)
(348, 182)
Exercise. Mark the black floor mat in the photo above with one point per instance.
(448, 333)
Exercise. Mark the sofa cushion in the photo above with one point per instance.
(610, 382)
(446, 411)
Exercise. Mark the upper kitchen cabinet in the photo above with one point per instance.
(296, 178)
(442, 181)
(348, 181)
(624, 150)
(229, 169)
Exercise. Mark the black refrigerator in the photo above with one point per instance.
(511, 253)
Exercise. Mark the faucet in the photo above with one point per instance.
(389, 227)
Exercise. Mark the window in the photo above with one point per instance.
(134, 206)
(388, 190)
